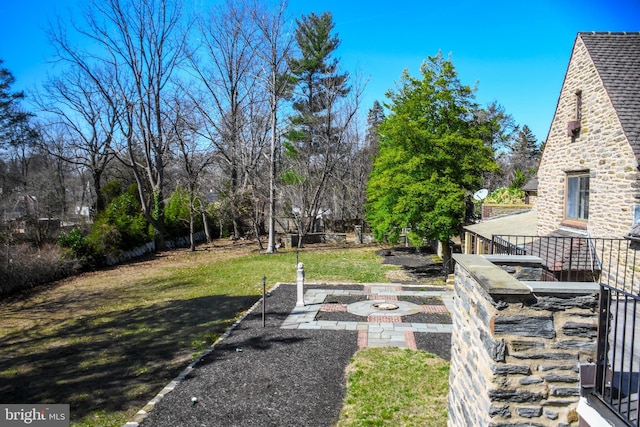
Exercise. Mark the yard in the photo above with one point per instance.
(106, 342)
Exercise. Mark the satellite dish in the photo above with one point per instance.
(480, 195)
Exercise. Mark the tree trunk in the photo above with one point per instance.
(271, 244)
(100, 202)
(192, 242)
(207, 232)
(447, 265)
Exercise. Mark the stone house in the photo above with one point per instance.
(588, 177)
(584, 371)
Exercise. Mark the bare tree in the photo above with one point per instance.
(84, 122)
(274, 49)
(194, 158)
(142, 43)
(226, 68)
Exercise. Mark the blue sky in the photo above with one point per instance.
(517, 51)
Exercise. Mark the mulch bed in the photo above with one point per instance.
(264, 376)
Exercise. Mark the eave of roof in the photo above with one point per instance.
(523, 224)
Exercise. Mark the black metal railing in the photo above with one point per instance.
(578, 259)
(612, 264)
(618, 358)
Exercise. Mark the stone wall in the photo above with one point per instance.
(148, 248)
(291, 240)
(600, 147)
(492, 210)
(515, 351)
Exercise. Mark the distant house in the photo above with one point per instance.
(588, 178)
(530, 189)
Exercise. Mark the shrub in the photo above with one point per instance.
(176, 214)
(506, 196)
(77, 246)
(24, 266)
(73, 240)
(104, 238)
(120, 226)
(519, 180)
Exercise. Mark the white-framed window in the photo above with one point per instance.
(577, 196)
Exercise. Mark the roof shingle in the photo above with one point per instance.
(616, 57)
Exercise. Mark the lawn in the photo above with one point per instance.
(106, 342)
(381, 394)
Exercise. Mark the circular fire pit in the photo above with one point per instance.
(383, 307)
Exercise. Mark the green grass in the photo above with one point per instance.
(395, 387)
(107, 342)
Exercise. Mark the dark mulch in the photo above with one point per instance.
(438, 344)
(264, 376)
(417, 263)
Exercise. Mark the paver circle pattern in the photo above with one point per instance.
(368, 308)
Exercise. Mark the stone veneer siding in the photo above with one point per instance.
(601, 147)
(515, 354)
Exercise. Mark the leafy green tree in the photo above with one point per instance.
(431, 157)
(179, 214)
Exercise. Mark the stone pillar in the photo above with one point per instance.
(515, 349)
(358, 232)
(300, 285)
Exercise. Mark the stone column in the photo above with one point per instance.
(516, 348)
(300, 285)
(358, 232)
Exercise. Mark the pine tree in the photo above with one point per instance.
(11, 116)
(524, 155)
(318, 82)
(314, 144)
(374, 119)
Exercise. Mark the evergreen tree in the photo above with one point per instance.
(524, 155)
(318, 82)
(497, 130)
(315, 141)
(11, 116)
(374, 119)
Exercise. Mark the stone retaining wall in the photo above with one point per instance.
(515, 351)
(150, 247)
(291, 240)
(492, 210)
